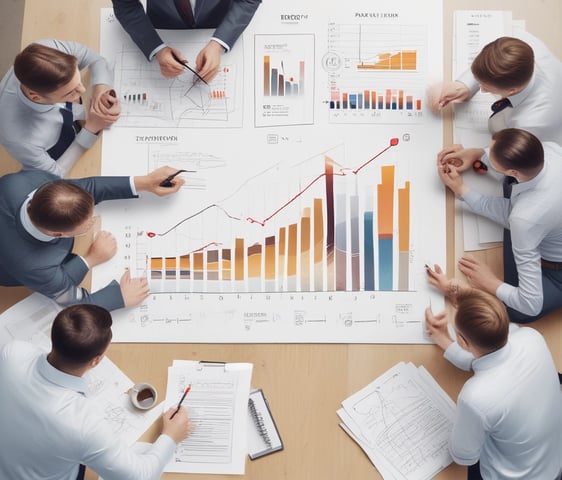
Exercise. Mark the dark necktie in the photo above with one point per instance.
(499, 105)
(508, 185)
(67, 133)
(186, 12)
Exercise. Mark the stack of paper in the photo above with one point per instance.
(402, 420)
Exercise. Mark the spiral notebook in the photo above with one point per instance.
(263, 436)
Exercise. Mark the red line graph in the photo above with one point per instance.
(343, 171)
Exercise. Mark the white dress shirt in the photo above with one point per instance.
(538, 107)
(533, 216)
(49, 426)
(509, 414)
(40, 124)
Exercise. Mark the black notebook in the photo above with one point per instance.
(263, 436)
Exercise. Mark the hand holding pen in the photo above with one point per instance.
(184, 63)
(186, 391)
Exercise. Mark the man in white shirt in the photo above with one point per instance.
(524, 74)
(40, 102)
(509, 413)
(532, 214)
(49, 425)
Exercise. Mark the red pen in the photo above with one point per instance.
(187, 389)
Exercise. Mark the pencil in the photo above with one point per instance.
(187, 389)
(189, 68)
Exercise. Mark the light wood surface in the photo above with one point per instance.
(305, 384)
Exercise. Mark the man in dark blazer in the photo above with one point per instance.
(41, 214)
(228, 17)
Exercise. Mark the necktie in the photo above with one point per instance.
(499, 105)
(186, 12)
(67, 133)
(508, 185)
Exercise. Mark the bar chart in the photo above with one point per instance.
(375, 73)
(333, 236)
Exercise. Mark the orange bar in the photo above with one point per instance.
(373, 99)
(400, 99)
(404, 218)
(385, 201)
(226, 264)
(418, 104)
(239, 259)
(198, 266)
(388, 98)
(396, 61)
(292, 251)
(266, 76)
(282, 250)
(254, 261)
(156, 263)
(409, 60)
(213, 260)
(270, 258)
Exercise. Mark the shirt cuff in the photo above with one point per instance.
(156, 50)
(84, 260)
(468, 79)
(132, 185)
(221, 43)
(86, 139)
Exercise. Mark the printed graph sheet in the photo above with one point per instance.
(310, 209)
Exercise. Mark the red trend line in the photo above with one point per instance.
(393, 143)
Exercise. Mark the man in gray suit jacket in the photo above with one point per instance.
(228, 17)
(41, 214)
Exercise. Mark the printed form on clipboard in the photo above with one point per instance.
(263, 436)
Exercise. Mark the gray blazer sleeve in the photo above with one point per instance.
(236, 20)
(135, 22)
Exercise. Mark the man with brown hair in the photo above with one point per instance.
(41, 214)
(42, 122)
(524, 75)
(533, 287)
(509, 415)
(51, 429)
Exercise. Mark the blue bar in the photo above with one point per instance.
(369, 259)
(352, 101)
(385, 264)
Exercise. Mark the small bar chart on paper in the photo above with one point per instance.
(375, 73)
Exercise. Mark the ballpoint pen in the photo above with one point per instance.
(181, 62)
(168, 181)
(187, 389)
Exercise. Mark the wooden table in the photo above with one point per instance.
(304, 383)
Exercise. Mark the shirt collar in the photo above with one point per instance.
(492, 359)
(54, 375)
(28, 225)
(519, 188)
(38, 107)
(518, 98)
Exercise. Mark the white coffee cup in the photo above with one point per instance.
(143, 396)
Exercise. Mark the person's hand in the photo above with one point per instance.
(452, 179)
(179, 427)
(96, 121)
(151, 182)
(442, 94)
(169, 66)
(208, 60)
(133, 290)
(105, 102)
(479, 275)
(437, 327)
(102, 249)
(460, 157)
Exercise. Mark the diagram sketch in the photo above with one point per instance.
(403, 421)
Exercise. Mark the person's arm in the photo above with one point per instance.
(135, 22)
(113, 459)
(236, 20)
(468, 434)
(527, 297)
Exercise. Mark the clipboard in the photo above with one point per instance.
(263, 435)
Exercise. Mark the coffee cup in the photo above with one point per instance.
(143, 396)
